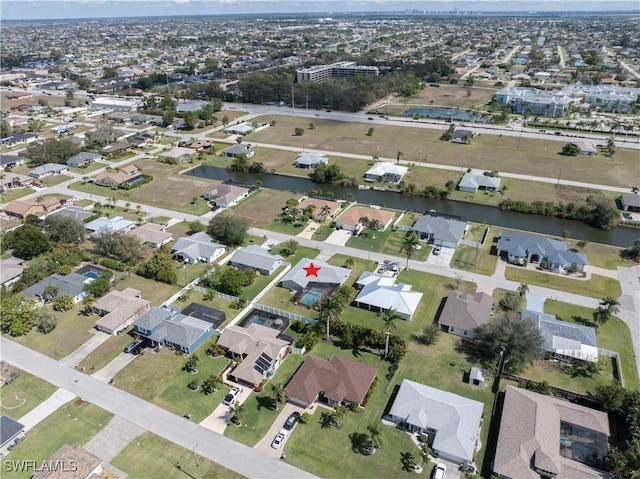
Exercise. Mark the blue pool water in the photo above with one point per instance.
(91, 274)
(311, 297)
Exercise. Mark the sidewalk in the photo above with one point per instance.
(51, 405)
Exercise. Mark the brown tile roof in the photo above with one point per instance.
(341, 379)
(118, 307)
(352, 215)
(26, 207)
(466, 311)
(319, 204)
(72, 462)
(530, 436)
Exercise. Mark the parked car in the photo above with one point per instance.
(439, 471)
(436, 250)
(627, 216)
(134, 347)
(231, 397)
(292, 420)
(279, 439)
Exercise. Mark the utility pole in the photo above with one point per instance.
(293, 102)
(195, 460)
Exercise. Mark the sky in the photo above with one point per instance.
(63, 9)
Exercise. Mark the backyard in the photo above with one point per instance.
(263, 207)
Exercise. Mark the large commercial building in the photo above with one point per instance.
(322, 73)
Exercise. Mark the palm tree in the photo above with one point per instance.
(523, 289)
(279, 394)
(239, 412)
(389, 318)
(377, 437)
(339, 412)
(211, 384)
(610, 305)
(331, 310)
(409, 245)
(325, 211)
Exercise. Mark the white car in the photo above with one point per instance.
(279, 439)
(231, 397)
(439, 471)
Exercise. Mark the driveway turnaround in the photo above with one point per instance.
(222, 450)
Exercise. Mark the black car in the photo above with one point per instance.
(292, 420)
(134, 347)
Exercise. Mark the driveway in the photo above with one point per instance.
(217, 421)
(85, 349)
(338, 237)
(42, 411)
(264, 445)
(443, 259)
(108, 372)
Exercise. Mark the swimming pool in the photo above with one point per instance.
(311, 296)
(91, 274)
(263, 318)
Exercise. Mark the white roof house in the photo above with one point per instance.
(197, 247)
(380, 293)
(451, 422)
(256, 258)
(104, 224)
(472, 182)
(383, 171)
(298, 277)
(310, 159)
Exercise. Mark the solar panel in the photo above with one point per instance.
(266, 356)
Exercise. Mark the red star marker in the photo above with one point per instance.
(311, 270)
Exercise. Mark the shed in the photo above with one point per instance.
(476, 377)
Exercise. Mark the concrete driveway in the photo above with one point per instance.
(338, 237)
(264, 445)
(116, 365)
(217, 421)
(443, 259)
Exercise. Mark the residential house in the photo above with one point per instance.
(200, 145)
(70, 463)
(310, 159)
(36, 206)
(462, 136)
(563, 339)
(10, 161)
(180, 154)
(112, 148)
(19, 139)
(71, 284)
(259, 348)
(151, 234)
(322, 209)
(541, 436)
(240, 129)
(256, 258)
(472, 182)
(451, 422)
(74, 212)
(350, 219)
(339, 380)
(226, 195)
(126, 176)
(630, 201)
(10, 270)
(380, 293)
(300, 276)
(197, 247)
(118, 310)
(586, 148)
(171, 329)
(238, 150)
(11, 432)
(557, 256)
(48, 169)
(13, 181)
(83, 158)
(387, 172)
(113, 225)
(440, 231)
(464, 313)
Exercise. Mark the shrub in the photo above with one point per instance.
(63, 302)
(45, 320)
(510, 302)
(305, 418)
(113, 264)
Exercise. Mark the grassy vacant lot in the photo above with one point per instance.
(445, 96)
(166, 179)
(72, 330)
(105, 353)
(159, 378)
(601, 255)
(71, 424)
(614, 335)
(465, 256)
(153, 291)
(23, 394)
(14, 194)
(488, 152)
(152, 456)
(597, 287)
(386, 242)
(261, 406)
(263, 207)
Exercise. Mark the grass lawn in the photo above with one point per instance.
(281, 298)
(301, 252)
(260, 282)
(263, 207)
(261, 407)
(105, 353)
(72, 330)
(323, 232)
(596, 287)
(152, 456)
(23, 394)
(91, 167)
(559, 375)
(465, 258)
(14, 194)
(159, 378)
(71, 424)
(280, 226)
(486, 260)
(153, 291)
(386, 242)
(614, 335)
(601, 255)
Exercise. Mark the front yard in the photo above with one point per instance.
(596, 287)
(23, 394)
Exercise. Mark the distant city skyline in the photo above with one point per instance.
(77, 9)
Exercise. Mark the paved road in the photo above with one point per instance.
(187, 434)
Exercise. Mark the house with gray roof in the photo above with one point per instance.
(48, 169)
(464, 313)
(10, 270)
(380, 293)
(542, 436)
(256, 258)
(171, 329)
(298, 278)
(11, 431)
(472, 182)
(564, 339)
(387, 172)
(197, 247)
(440, 231)
(239, 149)
(83, 158)
(630, 201)
(10, 161)
(451, 422)
(310, 159)
(225, 195)
(517, 248)
(113, 225)
(71, 284)
(75, 212)
(462, 136)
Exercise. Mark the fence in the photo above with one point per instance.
(283, 313)
(616, 361)
(473, 244)
(220, 295)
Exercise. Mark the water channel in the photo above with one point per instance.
(620, 236)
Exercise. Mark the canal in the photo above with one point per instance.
(620, 236)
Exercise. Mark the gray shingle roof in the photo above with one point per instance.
(254, 256)
(520, 245)
(297, 277)
(475, 180)
(442, 229)
(466, 311)
(71, 284)
(198, 245)
(8, 428)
